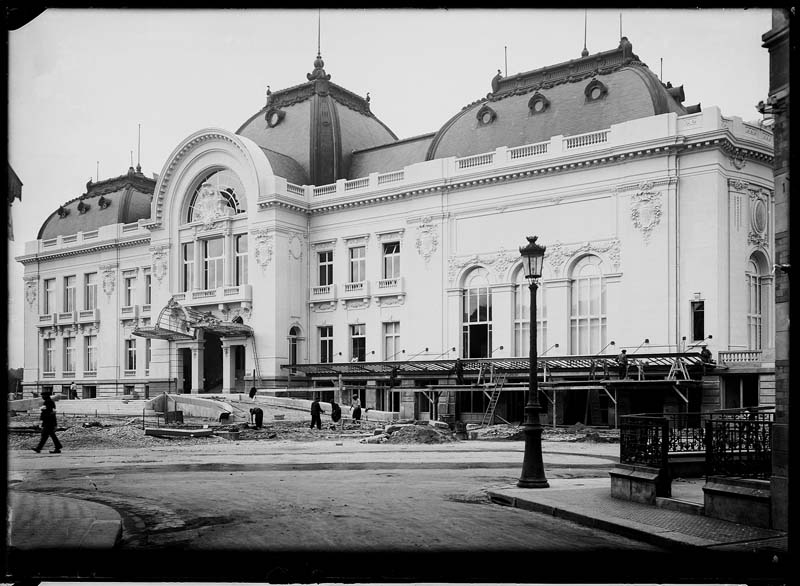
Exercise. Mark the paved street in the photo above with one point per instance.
(332, 500)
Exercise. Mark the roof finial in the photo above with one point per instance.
(585, 52)
(319, 30)
(139, 151)
(319, 64)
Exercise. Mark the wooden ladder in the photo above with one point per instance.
(488, 417)
(257, 369)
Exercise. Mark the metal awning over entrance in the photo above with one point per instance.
(176, 322)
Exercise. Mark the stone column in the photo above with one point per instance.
(228, 367)
(198, 350)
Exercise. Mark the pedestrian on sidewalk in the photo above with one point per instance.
(49, 424)
(257, 417)
(316, 412)
(355, 406)
(73, 391)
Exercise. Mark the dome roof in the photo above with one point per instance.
(318, 124)
(582, 95)
(120, 200)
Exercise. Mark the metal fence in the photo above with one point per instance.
(739, 443)
(736, 442)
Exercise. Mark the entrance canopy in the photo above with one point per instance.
(176, 322)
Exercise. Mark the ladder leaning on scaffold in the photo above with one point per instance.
(497, 388)
(257, 369)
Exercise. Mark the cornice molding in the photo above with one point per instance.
(37, 257)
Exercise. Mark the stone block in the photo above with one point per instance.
(639, 484)
(740, 500)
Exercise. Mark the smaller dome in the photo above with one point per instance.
(119, 200)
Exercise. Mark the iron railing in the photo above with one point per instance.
(642, 440)
(739, 443)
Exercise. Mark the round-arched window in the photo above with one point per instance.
(587, 306)
(220, 193)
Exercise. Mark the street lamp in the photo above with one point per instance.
(532, 466)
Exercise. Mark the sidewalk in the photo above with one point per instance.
(42, 521)
(588, 501)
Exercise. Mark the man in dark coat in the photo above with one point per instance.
(316, 412)
(336, 411)
(622, 363)
(49, 424)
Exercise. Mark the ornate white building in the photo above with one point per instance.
(313, 235)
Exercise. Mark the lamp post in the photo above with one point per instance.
(532, 465)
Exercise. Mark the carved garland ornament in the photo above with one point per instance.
(296, 246)
(159, 261)
(263, 247)
(646, 210)
(31, 286)
(558, 253)
(427, 239)
(109, 278)
(498, 262)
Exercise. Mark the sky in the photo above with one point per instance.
(82, 81)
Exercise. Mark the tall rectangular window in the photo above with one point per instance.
(48, 355)
(358, 255)
(187, 266)
(130, 354)
(522, 319)
(148, 344)
(325, 267)
(90, 344)
(698, 320)
(358, 343)
(588, 323)
(69, 354)
(90, 291)
(213, 258)
(326, 344)
(241, 259)
(129, 291)
(69, 293)
(391, 340)
(391, 260)
(49, 297)
(148, 287)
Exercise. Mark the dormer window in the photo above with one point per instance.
(538, 104)
(274, 117)
(486, 116)
(596, 90)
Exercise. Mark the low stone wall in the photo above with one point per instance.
(192, 406)
(640, 484)
(741, 500)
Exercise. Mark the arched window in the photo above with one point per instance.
(220, 192)
(754, 277)
(522, 317)
(294, 335)
(477, 315)
(587, 307)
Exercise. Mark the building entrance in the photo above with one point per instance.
(185, 383)
(212, 363)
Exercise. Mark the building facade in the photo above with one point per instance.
(313, 234)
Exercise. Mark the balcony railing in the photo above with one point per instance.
(356, 289)
(224, 294)
(390, 286)
(129, 311)
(89, 373)
(587, 139)
(323, 293)
(46, 319)
(66, 317)
(739, 356)
(475, 161)
(88, 315)
(129, 373)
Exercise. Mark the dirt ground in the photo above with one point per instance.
(88, 432)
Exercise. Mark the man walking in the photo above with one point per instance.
(49, 424)
(316, 412)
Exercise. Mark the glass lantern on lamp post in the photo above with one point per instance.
(532, 466)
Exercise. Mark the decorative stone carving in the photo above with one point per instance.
(296, 245)
(31, 289)
(738, 161)
(738, 184)
(558, 253)
(757, 239)
(355, 303)
(393, 236)
(109, 279)
(159, 261)
(209, 207)
(231, 314)
(498, 262)
(263, 247)
(427, 239)
(646, 211)
(390, 301)
(323, 245)
(323, 307)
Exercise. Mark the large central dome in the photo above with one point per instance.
(309, 131)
